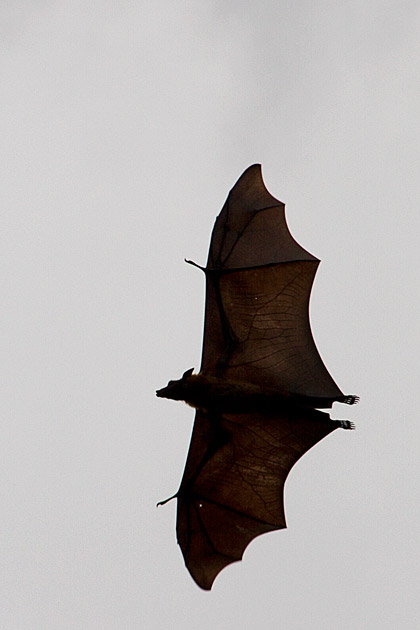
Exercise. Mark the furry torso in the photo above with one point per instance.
(207, 392)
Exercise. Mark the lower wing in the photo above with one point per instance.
(233, 483)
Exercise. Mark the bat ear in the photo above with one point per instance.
(188, 373)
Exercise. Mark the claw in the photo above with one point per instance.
(346, 424)
(351, 400)
(174, 496)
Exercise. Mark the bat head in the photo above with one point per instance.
(175, 390)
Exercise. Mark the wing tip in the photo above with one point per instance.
(205, 574)
(252, 180)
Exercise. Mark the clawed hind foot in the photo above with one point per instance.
(346, 424)
(350, 400)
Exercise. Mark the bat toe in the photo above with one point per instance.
(346, 424)
(351, 400)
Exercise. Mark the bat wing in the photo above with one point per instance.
(233, 492)
(257, 330)
(258, 286)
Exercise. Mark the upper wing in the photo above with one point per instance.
(232, 488)
(251, 229)
(258, 285)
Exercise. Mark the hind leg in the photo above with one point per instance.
(319, 402)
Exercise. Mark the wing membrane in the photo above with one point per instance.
(265, 326)
(236, 494)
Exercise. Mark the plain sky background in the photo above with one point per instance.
(123, 126)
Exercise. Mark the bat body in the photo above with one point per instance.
(217, 394)
(260, 386)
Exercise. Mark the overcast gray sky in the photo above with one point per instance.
(124, 124)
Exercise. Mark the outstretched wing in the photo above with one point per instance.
(232, 488)
(258, 285)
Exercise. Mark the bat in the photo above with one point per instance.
(261, 384)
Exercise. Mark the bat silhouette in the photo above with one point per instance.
(260, 386)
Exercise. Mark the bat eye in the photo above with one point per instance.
(200, 505)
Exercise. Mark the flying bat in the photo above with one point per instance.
(260, 386)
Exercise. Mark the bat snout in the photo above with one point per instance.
(165, 392)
